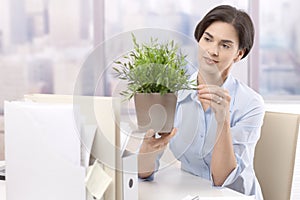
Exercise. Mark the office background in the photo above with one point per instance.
(43, 46)
(43, 43)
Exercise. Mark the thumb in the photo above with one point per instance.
(150, 133)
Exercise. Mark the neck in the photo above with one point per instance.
(210, 79)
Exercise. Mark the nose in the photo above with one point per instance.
(213, 50)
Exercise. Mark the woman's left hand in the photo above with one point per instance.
(219, 100)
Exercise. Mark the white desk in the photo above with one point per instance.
(2, 190)
(173, 183)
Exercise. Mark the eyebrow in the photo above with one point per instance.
(224, 41)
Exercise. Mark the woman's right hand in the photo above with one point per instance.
(150, 149)
(151, 144)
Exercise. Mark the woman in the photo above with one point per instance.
(219, 124)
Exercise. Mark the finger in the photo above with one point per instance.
(158, 144)
(169, 135)
(164, 140)
(173, 132)
(150, 133)
(211, 89)
(214, 93)
(212, 103)
(207, 91)
(163, 146)
(202, 86)
(207, 96)
(211, 97)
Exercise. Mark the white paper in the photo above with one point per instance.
(125, 134)
(87, 138)
(2, 168)
(97, 180)
(189, 197)
(2, 164)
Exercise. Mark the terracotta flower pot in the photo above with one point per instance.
(155, 111)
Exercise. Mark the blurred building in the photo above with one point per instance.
(68, 26)
(42, 45)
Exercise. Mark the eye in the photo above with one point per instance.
(207, 39)
(225, 46)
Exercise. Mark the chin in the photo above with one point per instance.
(208, 68)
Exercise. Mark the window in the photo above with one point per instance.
(279, 49)
(181, 17)
(42, 45)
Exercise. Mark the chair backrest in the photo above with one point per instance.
(275, 154)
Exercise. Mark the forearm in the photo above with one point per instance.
(150, 150)
(146, 165)
(223, 160)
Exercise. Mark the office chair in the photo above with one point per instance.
(275, 155)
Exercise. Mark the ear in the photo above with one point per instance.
(239, 55)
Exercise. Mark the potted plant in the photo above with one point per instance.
(154, 73)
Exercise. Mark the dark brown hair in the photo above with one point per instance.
(240, 20)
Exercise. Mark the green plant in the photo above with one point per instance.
(153, 68)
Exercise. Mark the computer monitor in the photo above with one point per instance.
(105, 112)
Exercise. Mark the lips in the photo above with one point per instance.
(210, 61)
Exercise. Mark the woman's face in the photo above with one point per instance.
(219, 49)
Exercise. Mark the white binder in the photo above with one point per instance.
(130, 180)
